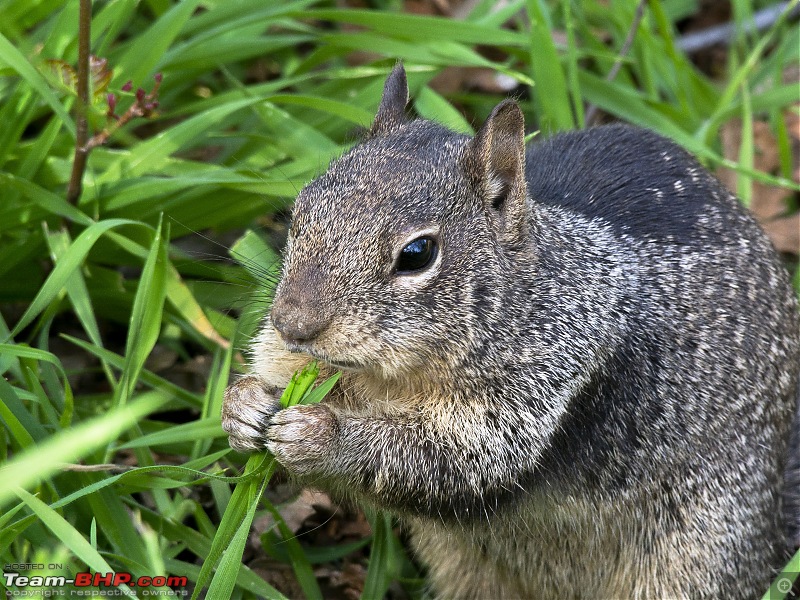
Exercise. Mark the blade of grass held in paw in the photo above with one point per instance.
(299, 385)
(238, 516)
(300, 391)
(229, 541)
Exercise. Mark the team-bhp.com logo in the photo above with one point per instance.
(92, 584)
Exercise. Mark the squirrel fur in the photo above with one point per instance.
(587, 391)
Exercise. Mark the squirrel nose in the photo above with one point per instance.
(298, 322)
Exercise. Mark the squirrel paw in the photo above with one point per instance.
(301, 437)
(247, 408)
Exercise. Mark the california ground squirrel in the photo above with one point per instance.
(572, 370)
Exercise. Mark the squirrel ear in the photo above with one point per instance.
(497, 164)
(391, 113)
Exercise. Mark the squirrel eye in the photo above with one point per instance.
(416, 255)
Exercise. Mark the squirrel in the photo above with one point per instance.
(571, 370)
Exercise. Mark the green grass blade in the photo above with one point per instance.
(782, 585)
(14, 59)
(744, 183)
(383, 559)
(13, 422)
(69, 263)
(242, 503)
(572, 66)
(77, 292)
(737, 80)
(151, 154)
(421, 28)
(548, 74)
(151, 379)
(225, 577)
(187, 432)
(344, 110)
(300, 385)
(142, 56)
(66, 533)
(318, 393)
(431, 105)
(70, 445)
(49, 202)
(186, 304)
(145, 323)
(297, 559)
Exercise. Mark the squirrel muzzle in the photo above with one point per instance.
(298, 316)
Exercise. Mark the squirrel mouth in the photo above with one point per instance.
(342, 364)
(347, 365)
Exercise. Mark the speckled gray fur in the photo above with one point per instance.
(588, 394)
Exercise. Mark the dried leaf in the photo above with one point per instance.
(100, 77)
(295, 513)
(61, 75)
(349, 580)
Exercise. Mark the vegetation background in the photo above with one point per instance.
(125, 301)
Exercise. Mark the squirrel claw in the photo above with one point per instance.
(247, 408)
(300, 437)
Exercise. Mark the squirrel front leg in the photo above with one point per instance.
(410, 465)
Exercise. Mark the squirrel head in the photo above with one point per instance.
(395, 256)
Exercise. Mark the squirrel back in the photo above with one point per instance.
(569, 367)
